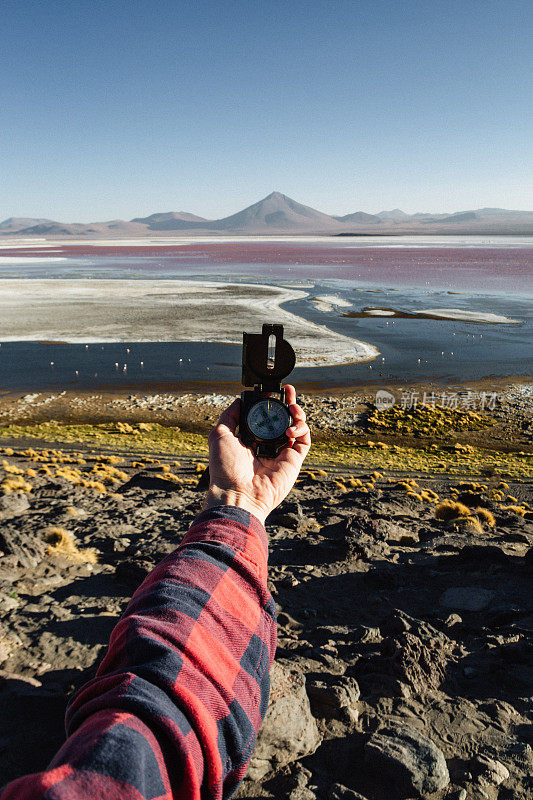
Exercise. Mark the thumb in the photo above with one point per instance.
(230, 416)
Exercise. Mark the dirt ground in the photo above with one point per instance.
(390, 619)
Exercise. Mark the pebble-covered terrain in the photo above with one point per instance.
(405, 612)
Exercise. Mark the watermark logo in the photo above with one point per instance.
(384, 400)
(463, 401)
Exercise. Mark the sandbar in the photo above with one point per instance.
(328, 302)
(165, 310)
(470, 316)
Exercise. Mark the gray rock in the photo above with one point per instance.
(289, 730)
(466, 598)
(405, 758)
(489, 772)
(334, 698)
(11, 505)
(8, 602)
(27, 550)
(340, 792)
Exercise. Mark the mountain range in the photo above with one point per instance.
(279, 214)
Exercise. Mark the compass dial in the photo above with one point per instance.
(268, 419)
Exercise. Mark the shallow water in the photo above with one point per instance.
(488, 276)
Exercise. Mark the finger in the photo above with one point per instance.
(290, 394)
(302, 442)
(297, 413)
(296, 430)
(230, 416)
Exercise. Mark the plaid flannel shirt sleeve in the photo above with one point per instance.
(176, 704)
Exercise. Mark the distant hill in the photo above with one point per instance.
(170, 220)
(395, 214)
(360, 216)
(280, 215)
(14, 224)
(461, 216)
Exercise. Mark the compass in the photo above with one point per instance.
(267, 358)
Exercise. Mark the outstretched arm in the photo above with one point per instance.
(175, 706)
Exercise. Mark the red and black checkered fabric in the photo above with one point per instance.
(175, 706)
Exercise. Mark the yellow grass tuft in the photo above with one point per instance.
(354, 482)
(468, 525)
(61, 543)
(485, 516)
(70, 511)
(449, 509)
(429, 495)
(15, 484)
(519, 510)
(11, 468)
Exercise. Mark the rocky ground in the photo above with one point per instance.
(404, 663)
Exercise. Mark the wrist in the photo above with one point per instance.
(233, 497)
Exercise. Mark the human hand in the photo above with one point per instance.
(239, 478)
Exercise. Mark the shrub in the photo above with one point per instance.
(429, 495)
(485, 516)
(61, 543)
(16, 484)
(467, 524)
(354, 483)
(519, 510)
(449, 509)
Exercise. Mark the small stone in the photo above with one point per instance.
(466, 598)
(340, 792)
(8, 603)
(11, 505)
(334, 699)
(405, 758)
(453, 619)
(489, 772)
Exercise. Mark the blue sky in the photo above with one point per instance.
(119, 108)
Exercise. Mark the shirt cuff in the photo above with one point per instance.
(235, 527)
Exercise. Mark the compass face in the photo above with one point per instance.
(268, 419)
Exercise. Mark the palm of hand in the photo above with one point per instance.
(266, 481)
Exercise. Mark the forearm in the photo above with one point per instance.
(177, 701)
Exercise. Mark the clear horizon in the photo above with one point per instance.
(119, 111)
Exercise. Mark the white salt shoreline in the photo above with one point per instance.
(329, 302)
(469, 316)
(84, 311)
